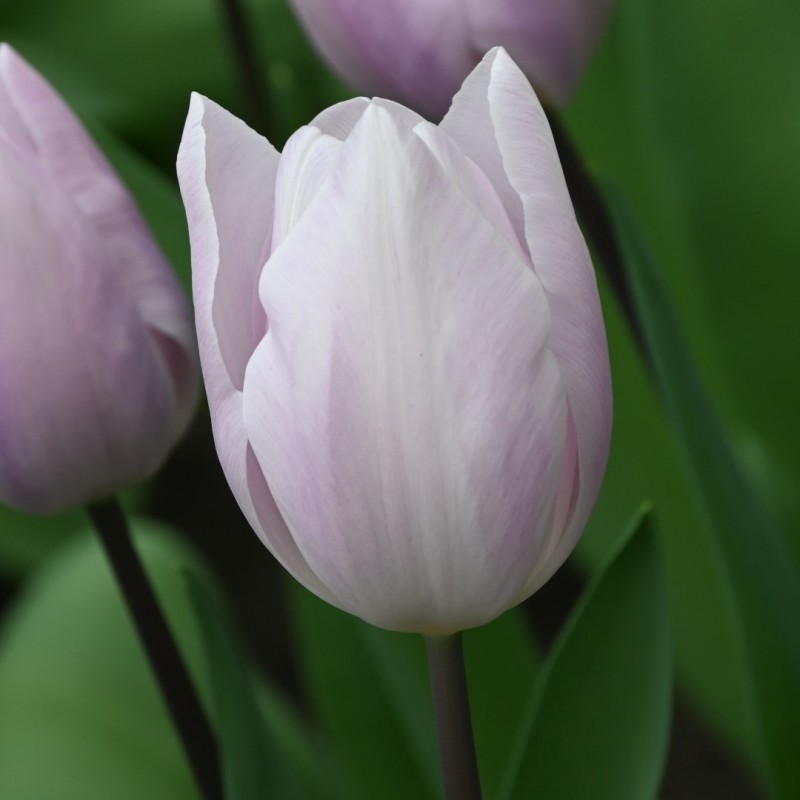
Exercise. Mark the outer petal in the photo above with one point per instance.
(500, 124)
(85, 406)
(395, 49)
(404, 406)
(227, 175)
(35, 119)
(551, 41)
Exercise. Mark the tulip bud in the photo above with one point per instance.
(98, 370)
(403, 347)
(419, 51)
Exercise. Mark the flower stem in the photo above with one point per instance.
(168, 667)
(252, 80)
(453, 722)
(596, 222)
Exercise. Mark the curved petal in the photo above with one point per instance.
(227, 177)
(499, 123)
(306, 163)
(394, 49)
(470, 178)
(339, 119)
(41, 122)
(403, 405)
(551, 41)
(85, 405)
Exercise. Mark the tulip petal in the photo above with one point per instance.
(38, 120)
(551, 42)
(471, 179)
(234, 170)
(339, 119)
(498, 122)
(394, 49)
(404, 406)
(84, 404)
(305, 165)
(227, 176)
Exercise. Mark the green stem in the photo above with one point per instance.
(252, 80)
(168, 667)
(453, 722)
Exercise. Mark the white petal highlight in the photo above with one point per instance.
(412, 436)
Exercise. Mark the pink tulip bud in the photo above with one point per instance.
(419, 51)
(403, 348)
(98, 370)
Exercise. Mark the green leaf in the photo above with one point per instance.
(370, 691)
(502, 667)
(598, 724)
(80, 715)
(253, 768)
(685, 104)
(25, 540)
(645, 462)
(309, 760)
(764, 584)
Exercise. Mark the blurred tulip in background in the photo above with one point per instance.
(419, 51)
(97, 351)
(403, 348)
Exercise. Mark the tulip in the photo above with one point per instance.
(419, 51)
(403, 348)
(98, 372)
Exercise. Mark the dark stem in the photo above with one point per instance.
(165, 659)
(252, 79)
(453, 722)
(596, 223)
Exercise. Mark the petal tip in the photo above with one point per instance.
(8, 55)
(13, 66)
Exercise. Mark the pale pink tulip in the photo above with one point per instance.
(98, 372)
(403, 348)
(419, 51)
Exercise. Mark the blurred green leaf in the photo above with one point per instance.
(252, 765)
(686, 105)
(502, 667)
(80, 715)
(703, 141)
(764, 584)
(309, 760)
(645, 462)
(599, 719)
(26, 540)
(370, 691)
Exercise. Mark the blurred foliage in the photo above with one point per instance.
(686, 107)
(252, 762)
(763, 583)
(26, 540)
(76, 693)
(694, 108)
(599, 718)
